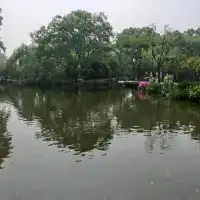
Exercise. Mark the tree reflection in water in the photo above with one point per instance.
(81, 122)
(88, 121)
(160, 120)
(5, 137)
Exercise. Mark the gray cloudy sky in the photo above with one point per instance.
(24, 16)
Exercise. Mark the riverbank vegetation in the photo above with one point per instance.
(82, 46)
(178, 91)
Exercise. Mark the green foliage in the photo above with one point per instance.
(81, 45)
(184, 85)
(168, 89)
(194, 93)
(192, 63)
(180, 92)
(2, 62)
(5, 137)
(133, 46)
(159, 49)
(154, 88)
(133, 42)
(70, 47)
(2, 47)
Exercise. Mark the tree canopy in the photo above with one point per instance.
(2, 47)
(82, 45)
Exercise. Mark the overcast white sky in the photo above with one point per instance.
(24, 16)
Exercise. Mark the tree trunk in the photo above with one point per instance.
(138, 72)
(158, 74)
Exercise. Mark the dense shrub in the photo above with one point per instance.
(184, 85)
(167, 88)
(154, 88)
(194, 93)
(179, 93)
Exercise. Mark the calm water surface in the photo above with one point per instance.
(115, 145)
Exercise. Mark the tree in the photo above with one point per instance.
(133, 41)
(192, 63)
(81, 45)
(190, 32)
(159, 49)
(122, 58)
(72, 41)
(3, 60)
(15, 64)
(2, 47)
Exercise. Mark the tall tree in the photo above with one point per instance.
(159, 49)
(73, 40)
(133, 41)
(133, 46)
(2, 47)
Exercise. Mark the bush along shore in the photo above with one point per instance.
(177, 91)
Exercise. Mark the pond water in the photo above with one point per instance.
(115, 145)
